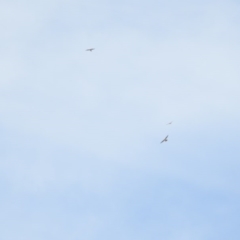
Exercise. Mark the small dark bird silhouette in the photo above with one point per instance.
(169, 123)
(90, 49)
(165, 139)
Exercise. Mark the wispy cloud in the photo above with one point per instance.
(85, 127)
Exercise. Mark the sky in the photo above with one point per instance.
(80, 155)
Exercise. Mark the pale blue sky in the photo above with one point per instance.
(80, 131)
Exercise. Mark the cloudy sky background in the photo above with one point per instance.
(80, 131)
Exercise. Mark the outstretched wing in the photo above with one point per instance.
(165, 139)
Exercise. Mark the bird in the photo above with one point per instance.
(90, 49)
(169, 123)
(165, 139)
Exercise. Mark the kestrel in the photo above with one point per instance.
(165, 139)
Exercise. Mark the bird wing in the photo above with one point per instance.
(165, 139)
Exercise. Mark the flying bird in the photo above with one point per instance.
(165, 139)
(169, 123)
(90, 49)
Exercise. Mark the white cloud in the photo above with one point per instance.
(93, 120)
(106, 102)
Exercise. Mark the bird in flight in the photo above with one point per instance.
(165, 139)
(169, 123)
(90, 49)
